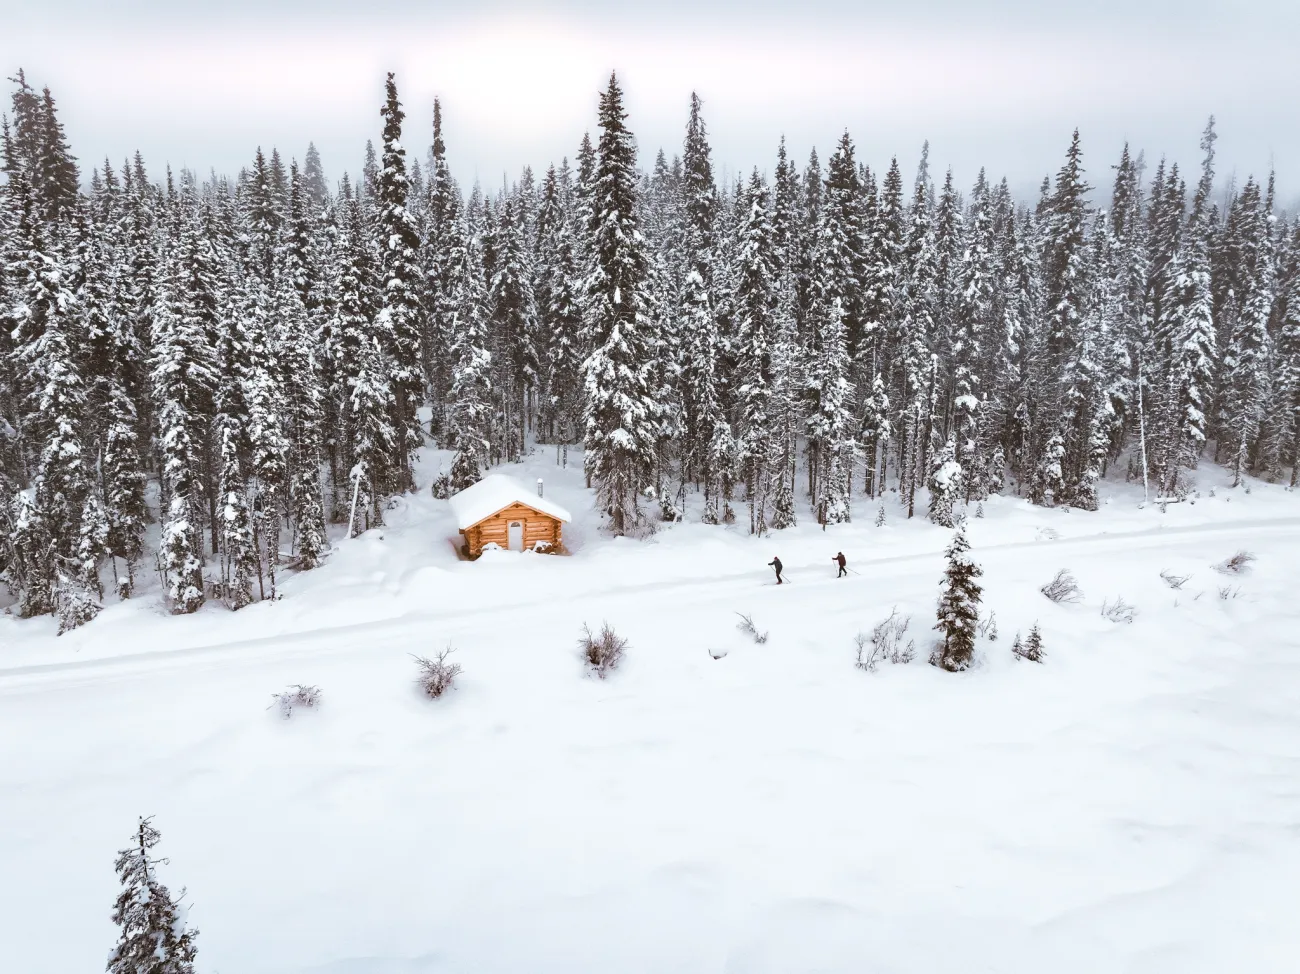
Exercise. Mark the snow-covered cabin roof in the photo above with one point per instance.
(495, 493)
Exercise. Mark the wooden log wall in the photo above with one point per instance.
(538, 527)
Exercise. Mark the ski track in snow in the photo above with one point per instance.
(1131, 805)
(701, 590)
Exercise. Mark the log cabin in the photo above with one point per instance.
(502, 511)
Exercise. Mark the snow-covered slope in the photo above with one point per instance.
(1130, 805)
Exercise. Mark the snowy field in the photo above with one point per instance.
(1132, 805)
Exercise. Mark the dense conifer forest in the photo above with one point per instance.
(229, 364)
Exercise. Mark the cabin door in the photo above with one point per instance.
(516, 536)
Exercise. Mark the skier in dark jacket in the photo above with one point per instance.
(839, 560)
(776, 563)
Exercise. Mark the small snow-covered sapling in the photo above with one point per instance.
(1032, 648)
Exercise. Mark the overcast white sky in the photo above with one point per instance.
(999, 83)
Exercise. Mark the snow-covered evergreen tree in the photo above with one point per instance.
(876, 431)
(561, 316)
(513, 308)
(183, 378)
(366, 397)
(153, 937)
(973, 307)
(959, 605)
(620, 414)
(755, 303)
(471, 385)
(946, 485)
(399, 321)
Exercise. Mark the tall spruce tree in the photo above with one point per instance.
(399, 321)
(756, 305)
(620, 413)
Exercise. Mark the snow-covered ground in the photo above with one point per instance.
(1132, 805)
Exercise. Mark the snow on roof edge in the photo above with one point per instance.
(496, 492)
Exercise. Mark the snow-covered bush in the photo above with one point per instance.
(436, 675)
(1118, 611)
(298, 695)
(783, 509)
(1032, 648)
(995, 478)
(880, 517)
(1063, 588)
(746, 625)
(442, 487)
(887, 639)
(668, 510)
(1175, 582)
(1049, 482)
(603, 652)
(945, 486)
(1237, 564)
(988, 627)
(75, 604)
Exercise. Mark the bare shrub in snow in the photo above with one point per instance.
(604, 652)
(298, 695)
(1118, 611)
(1229, 592)
(1237, 564)
(1032, 648)
(436, 675)
(988, 627)
(866, 658)
(1175, 582)
(746, 625)
(1063, 588)
(887, 638)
